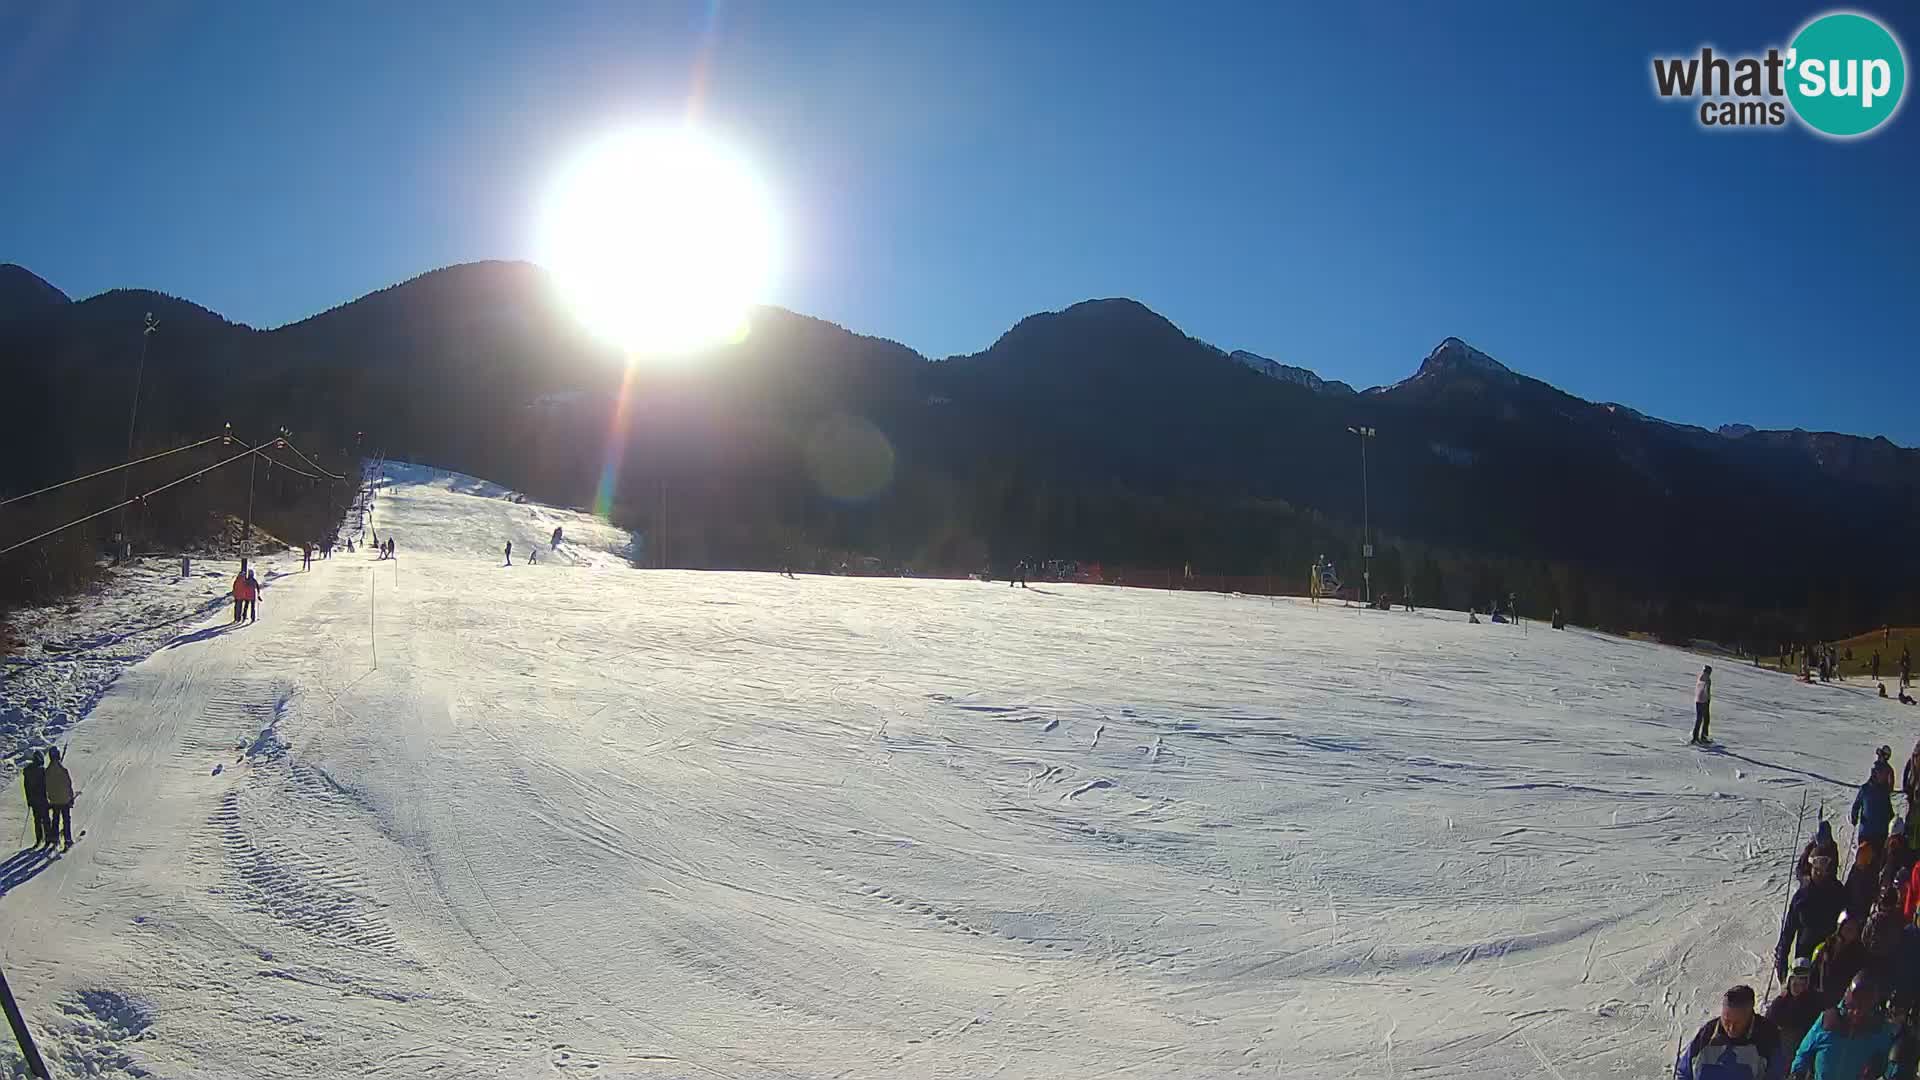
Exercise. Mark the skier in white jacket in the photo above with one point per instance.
(1702, 702)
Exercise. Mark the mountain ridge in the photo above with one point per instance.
(1451, 356)
(1101, 430)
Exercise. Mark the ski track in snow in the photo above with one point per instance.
(584, 820)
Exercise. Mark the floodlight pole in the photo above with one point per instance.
(133, 419)
(1366, 515)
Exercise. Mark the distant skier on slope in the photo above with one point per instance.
(253, 597)
(1702, 706)
(59, 801)
(533, 556)
(509, 553)
(33, 778)
(556, 538)
(1811, 915)
(1736, 1045)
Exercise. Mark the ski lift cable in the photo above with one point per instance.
(288, 443)
(283, 440)
(112, 469)
(262, 451)
(127, 502)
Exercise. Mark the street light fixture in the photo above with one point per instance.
(133, 418)
(1366, 514)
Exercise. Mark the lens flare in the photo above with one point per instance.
(660, 239)
(849, 459)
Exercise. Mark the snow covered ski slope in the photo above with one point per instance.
(602, 822)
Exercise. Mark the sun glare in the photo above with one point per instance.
(660, 240)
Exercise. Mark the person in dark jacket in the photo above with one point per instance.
(1811, 915)
(1897, 860)
(1796, 1008)
(1883, 936)
(1906, 971)
(1821, 844)
(1736, 1045)
(1838, 960)
(59, 801)
(33, 777)
(1863, 881)
(1872, 809)
(1910, 786)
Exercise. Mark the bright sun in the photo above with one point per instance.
(660, 239)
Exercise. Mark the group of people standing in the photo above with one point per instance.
(246, 595)
(1848, 957)
(49, 791)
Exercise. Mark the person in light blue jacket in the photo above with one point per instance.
(1850, 1042)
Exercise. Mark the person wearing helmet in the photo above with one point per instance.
(1883, 765)
(1839, 959)
(1873, 804)
(1796, 1007)
(1850, 1040)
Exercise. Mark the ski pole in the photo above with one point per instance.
(1793, 853)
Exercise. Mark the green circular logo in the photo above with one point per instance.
(1846, 74)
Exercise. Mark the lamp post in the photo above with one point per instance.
(1366, 514)
(246, 527)
(133, 419)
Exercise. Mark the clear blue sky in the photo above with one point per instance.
(1338, 185)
